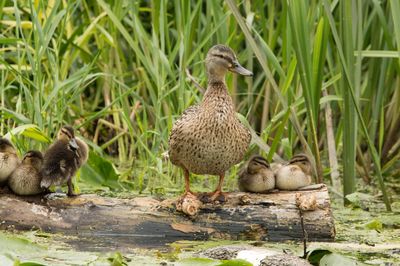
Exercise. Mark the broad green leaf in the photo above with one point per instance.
(336, 259)
(18, 245)
(314, 256)
(29, 131)
(99, 173)
(358, 199)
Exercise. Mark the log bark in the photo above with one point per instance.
(145, 221)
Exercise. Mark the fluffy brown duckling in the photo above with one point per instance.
(295, 174)
(25, 180)
(8, 159)
(256, 176)
(208, 138)
(62, 160)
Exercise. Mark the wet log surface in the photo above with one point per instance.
(145, 221)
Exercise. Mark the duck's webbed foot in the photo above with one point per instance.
(190, 193)
(216, 196)
(72, 194)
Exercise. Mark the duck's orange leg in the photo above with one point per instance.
(187, 182)
(217, 194)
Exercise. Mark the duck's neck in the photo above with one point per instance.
(217, 98)
(216, 87)
(215, 73)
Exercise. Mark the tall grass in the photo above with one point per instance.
(116, 70)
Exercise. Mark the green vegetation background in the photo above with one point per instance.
(116, 71)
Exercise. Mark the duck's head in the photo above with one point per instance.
(257, 163)
(220, 58)
(303, 162)
(33, 157)
(67, 134)
(6, 146)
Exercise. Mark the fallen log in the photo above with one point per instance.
(145, 221)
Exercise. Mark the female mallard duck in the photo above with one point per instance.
(208, 138)
(62, 160)
(25, 180)
(295, 174)
(256, 176)
(8, 159)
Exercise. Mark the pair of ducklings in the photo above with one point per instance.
(36, 173)
(259, 177)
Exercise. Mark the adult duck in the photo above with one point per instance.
(208, 138)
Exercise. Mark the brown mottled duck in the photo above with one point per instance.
(25, 180)
(208, 138)
(295, 174)
(256, 176)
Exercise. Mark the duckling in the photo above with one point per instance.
(25, 180)
(295, 174)
(8, 159)
(62, 160)
(256, 176)
(208, 138)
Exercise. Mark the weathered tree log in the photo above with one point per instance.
(150, 222)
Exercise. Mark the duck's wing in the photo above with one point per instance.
(186, 117)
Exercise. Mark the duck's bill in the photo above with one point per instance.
(241, 70)
(73, 143)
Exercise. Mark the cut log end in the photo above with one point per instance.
(189, 205)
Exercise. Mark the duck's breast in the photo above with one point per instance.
(212, 145)
(291, 177)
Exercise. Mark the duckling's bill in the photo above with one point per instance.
(73, 143)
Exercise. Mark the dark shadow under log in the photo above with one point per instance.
(144, 221)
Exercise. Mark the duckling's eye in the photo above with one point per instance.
(220, 55)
